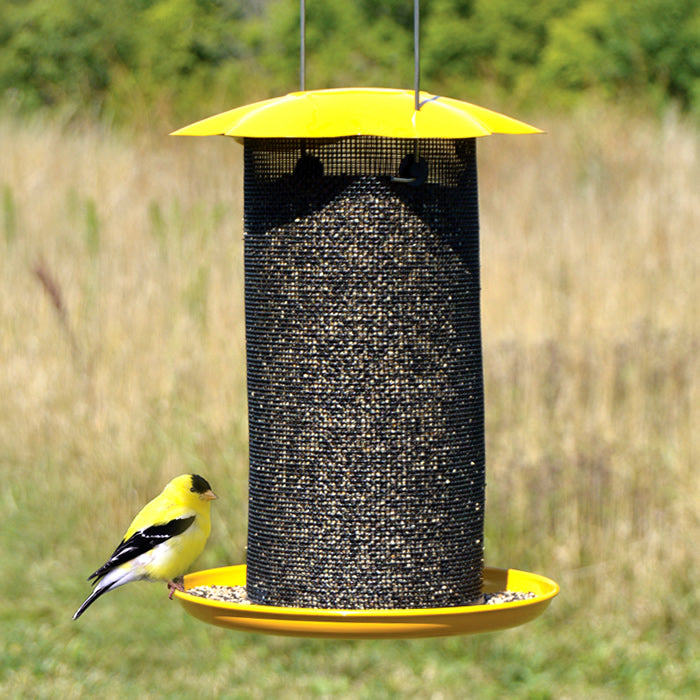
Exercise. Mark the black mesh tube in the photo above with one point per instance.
(365, 384)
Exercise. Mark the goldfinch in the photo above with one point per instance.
(162, 541)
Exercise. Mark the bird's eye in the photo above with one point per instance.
(192, 489)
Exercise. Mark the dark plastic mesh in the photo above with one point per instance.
(365, 381)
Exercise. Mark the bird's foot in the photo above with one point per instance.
(175, 585)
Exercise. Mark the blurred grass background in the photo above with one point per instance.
(122, 364)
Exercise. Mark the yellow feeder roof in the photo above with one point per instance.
(357, 112)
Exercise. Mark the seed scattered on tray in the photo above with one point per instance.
(239, 595)
(226, 594)
(507, 597)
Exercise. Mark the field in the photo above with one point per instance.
(122, 364)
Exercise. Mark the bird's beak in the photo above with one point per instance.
(208, 495)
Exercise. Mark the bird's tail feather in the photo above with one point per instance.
(113, 579)
(90, 600)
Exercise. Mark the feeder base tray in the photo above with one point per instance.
(370, 624)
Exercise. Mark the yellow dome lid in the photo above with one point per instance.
(357, 112)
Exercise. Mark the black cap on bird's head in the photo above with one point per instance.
(201, 486)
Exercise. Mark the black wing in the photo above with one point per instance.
(142, 541)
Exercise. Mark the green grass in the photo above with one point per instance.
(122, 364)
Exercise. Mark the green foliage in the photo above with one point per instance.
(127, 57)
(107, 55)
(54, 49)
(637, 48)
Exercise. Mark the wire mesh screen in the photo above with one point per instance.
(365, 385)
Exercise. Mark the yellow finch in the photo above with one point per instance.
(162, 541)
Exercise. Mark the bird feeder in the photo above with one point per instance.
(364, 370)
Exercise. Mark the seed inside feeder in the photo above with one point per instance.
(365, 390)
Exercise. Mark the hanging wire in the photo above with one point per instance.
(302, 42)
(414, 170)
(416, 51)
(416, 67)
(419, 171)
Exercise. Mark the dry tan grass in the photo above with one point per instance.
(590, 288)
(153, 297)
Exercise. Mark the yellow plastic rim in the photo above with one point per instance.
(370, 624)
(357, 112)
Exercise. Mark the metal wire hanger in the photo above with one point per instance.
(412, 171)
